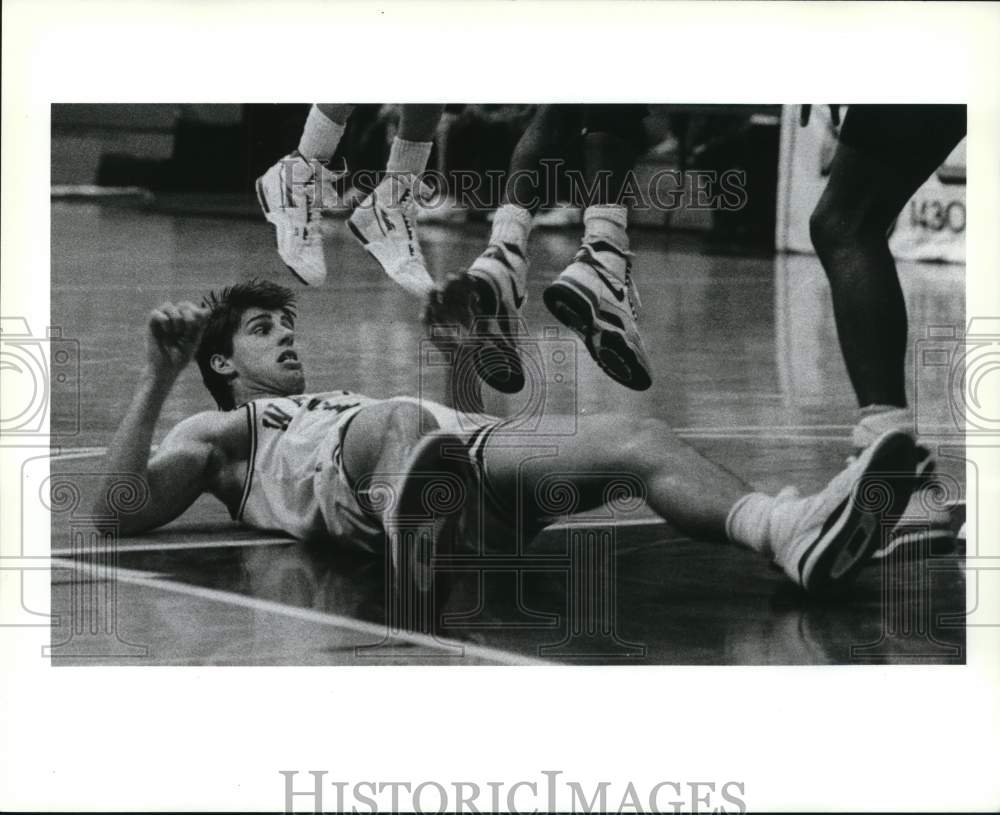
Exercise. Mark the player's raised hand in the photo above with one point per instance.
(174, 332)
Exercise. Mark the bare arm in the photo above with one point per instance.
(138, 494)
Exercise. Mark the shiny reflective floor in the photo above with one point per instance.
(746, 367)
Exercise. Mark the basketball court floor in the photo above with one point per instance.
(746, 368)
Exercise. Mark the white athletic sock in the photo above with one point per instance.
(512, 224)
(320, 136)
(749, 522)
(606, 222)
(876, 420)
(408, 156)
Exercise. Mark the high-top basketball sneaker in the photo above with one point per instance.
(822, 540)
(597, 298)
(385, 223)
(499, 277)
(293, 195)
(936, 510)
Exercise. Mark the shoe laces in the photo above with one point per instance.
(314, 217)
(407, 208)
(324, 182)
(634, 301)
(587, 254)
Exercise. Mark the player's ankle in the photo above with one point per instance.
(749, 522)
(606, 222)
(511, 224)
(877, 419)
(320, 136)
(408, 157)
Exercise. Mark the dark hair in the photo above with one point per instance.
(228, 307)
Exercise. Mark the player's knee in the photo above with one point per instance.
(838, 227)
(827, 228)
(380, 427)
(408, 419)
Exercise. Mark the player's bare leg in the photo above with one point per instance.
(416, 480)
(819, 541)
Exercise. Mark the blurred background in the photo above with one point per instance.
(203, 158)
(193, 157)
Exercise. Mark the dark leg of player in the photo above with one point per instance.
(546, 137)
(848, 227)
(886, 153)
(612, 140)
(418, 123)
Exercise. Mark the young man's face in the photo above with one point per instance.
(264, 356)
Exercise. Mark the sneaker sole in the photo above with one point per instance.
(420, 535)
(498, 362)
(852, 532)
(915, 542)
(608, 347)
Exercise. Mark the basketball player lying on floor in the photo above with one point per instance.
(281, 458)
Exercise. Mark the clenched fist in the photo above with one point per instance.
(174, 332)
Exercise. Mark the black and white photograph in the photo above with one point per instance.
(592, 409)
(390, 392)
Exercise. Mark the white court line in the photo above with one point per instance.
(168, 547)
(78, 452)
(225, 543)
(306, 614)
(598, 523)
(765, 428)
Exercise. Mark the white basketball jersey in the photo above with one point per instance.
(294, 440)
